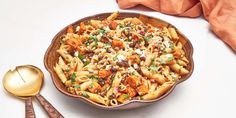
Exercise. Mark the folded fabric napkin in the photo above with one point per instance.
(221, 14)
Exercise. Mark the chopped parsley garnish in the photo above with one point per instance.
(87, 43)
(162, 61)
(108, 44)
(152, 61)
(129, 40)
(133, 73)
(122, 26)
(94, 77)
(170, 58)
(147, 38)
(91, 85)
(102, 31)
(172, 47)
(72, 77)
(77, 86)
(153, 68)
(94, 38)
(81, 57)
(126, 96)
(86, 63)
(165, 51)
(85, 95)
(115, 58)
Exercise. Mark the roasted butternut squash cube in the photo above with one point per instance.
(123, 97)
(133, 81)
(142, 89)
(104, 73)
(94, 87)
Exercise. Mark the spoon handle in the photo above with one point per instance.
(52, 112)
(29, 109)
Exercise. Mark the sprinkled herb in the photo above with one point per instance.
(133, 73)
(172, 47)
(170, 58)
(162, 62)
(77, 86)
(122, 26)
(114, 58)
(72, 77)
(86, 63)
(94, 77)
(146, 38)
(85, 95)
(87, 43)
(153, 68)
(129, 40)
(102, 31)
(91, 85)
(126, 96)
(164, 51)
(108, 44)
(95, 39)
(81, 57)
(152, 61)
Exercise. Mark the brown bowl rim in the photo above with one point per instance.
(131, 101)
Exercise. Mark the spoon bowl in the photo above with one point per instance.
(25, 82)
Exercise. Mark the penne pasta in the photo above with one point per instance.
(60, 73)
(156, 76)
(113, 102)
(65, 55)
(159, 91)
(113, 61)
(84, 86)
(93, 97)
(173, 33)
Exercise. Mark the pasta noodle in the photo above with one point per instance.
(113, 61)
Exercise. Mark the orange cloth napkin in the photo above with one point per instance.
(221, 14)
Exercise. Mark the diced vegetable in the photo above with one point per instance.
(94, 87)
(131, 92)
(113, 25)
(73, 42)
(142, 89)
(104, 73)
(133, 81)
(122, 98)
(117, 43)
(70, 29)
(82, 28)
(134, 59)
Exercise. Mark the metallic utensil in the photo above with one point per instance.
(25, 82)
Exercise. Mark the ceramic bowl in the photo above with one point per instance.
(51, 57)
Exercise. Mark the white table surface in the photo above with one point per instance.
(27, 28)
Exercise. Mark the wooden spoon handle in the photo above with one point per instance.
(52, 112)
(29, 109)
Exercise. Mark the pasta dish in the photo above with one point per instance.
(113, 61)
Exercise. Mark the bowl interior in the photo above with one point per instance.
(51, 56)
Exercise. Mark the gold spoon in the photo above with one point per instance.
(25, 82)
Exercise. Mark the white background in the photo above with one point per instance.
(27, 28)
